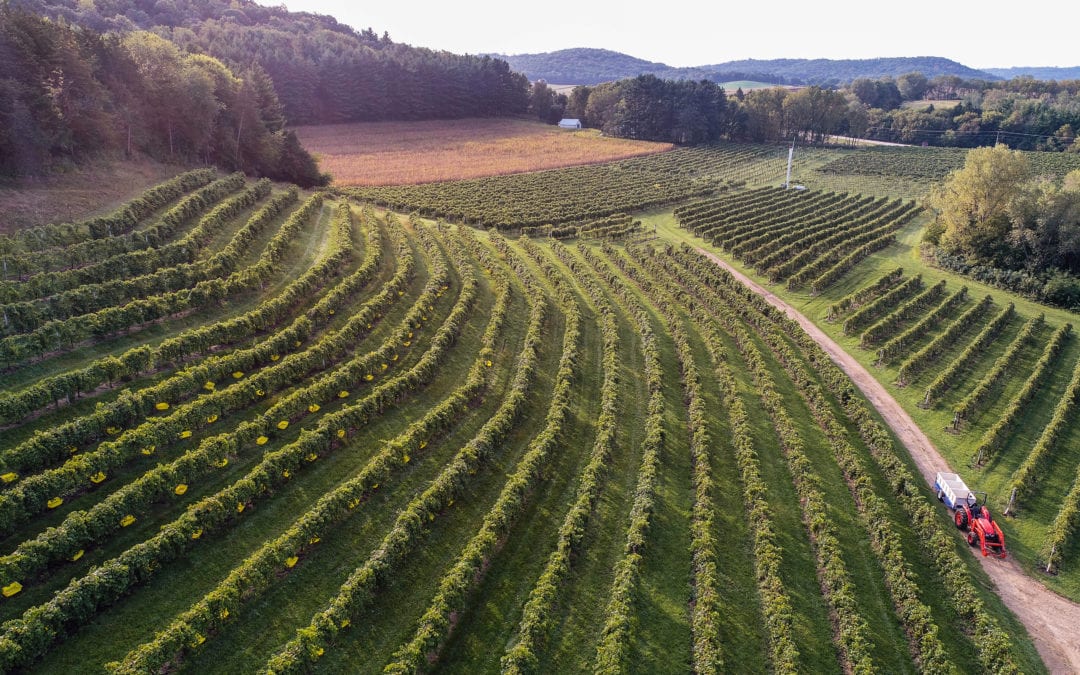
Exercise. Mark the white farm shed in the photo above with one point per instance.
(569, 123)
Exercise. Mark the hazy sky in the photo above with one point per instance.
(698, 32)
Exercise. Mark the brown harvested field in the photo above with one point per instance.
(78, 194)
(404, 153)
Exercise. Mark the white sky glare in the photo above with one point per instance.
(695, 32)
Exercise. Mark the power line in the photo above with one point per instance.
(954, 132)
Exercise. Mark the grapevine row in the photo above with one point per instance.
(357, 592)
(853, 257)
(873, 510)
(853, 633)
(920, 360)
(1026, 478)
(888, 324)
(857, 298)
(133, 497)
(50, 446)
(1060, 534)
(122, 220)
(30, 314)
(253, 577)
(993, 646)
(563, 195)
(616, 634)
(760, 242)
(898, 344)
(869, 312)
(733, 229)
(24, 639)
(705, 617)
(827, 270)
(464, 575)
(947, 377)
(994, 438)
(122, 264)
(805, 257)
(783, 206)
(535, 625)
(996, 375)
(65, 333)
(269, 313)
(31, 495)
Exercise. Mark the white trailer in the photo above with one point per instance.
(952, 490)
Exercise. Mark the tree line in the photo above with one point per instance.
(1023, 113)
(69, 94)
(323, 71)
(689, 112)
(999, 222)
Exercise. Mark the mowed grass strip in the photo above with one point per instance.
(665, 637)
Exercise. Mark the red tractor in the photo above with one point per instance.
(975, 519)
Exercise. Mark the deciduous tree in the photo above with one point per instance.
(973, 202)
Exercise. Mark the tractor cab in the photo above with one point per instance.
(975, 520)
(971, 514)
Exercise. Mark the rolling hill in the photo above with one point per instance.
(1038, 72)
(592, 66)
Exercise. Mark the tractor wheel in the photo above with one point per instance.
(972, 539)
(961, 519)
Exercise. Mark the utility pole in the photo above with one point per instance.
(790, 154)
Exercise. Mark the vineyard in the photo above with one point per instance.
(1012, 412)
(585, 193)
(991, 378)
(798, 237)
(251, 429)
(931, 164)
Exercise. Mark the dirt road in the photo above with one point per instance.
(1052, 620)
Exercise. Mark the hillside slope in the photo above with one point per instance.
(592, 66)
(1038, 72)
(323, 71)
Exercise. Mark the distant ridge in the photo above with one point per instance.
(592, 66)
(1038, 72)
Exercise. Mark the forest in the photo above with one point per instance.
(1023, 113)
(70, 94)
(690, 112)
(996, 213)
(323, 71)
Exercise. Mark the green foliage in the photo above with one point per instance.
(951, 373)
(306, 499)
(993, 378)
(993, 646)
(139, 92)
(797, 236)
(77, 243)
(322, 71)
(972, 204)
(994, 438)
(921, 359)
(648, 108)
(573, 195)
(857, 299)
